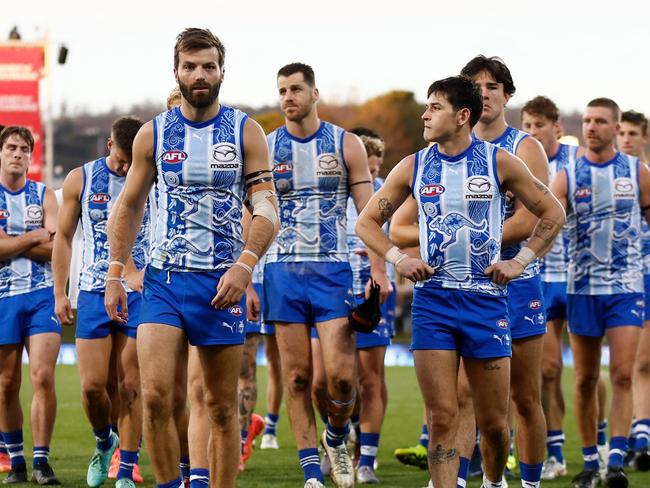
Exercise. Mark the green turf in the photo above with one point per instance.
(73, 441)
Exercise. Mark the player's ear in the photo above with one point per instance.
(109, 144)
(463, 116)
(316, 94)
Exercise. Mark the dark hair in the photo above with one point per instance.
(607, 103)
(123, 132)
(542, 106)
(20, 131)
(461, 92)
(636, 118)
(305, 69)
(194, 38)
(493, 65)
(364, 131)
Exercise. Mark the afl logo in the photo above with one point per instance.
(327, 162)
(236, 310)
(174, 156)
(283, 168)
(584, 192)
(502, 323)
(100, 198)
(432, 190)
(4, 214)
(535, 304)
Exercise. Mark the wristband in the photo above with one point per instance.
(394, 256)
(114, 278)
(245, 266)
(525, 256)
(117, 263)
(246, 251)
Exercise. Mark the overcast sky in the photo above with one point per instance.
(121, 52)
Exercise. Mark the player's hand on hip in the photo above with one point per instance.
(503, 272)
(135, 280)
(63, 309)
(385, 286)
(252, 305)
(231, 287)
(415, 269)
(116, 302)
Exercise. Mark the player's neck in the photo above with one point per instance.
(201, 114)
(13, 183)
(304, 127)
(552, 150)
(601, 155)
(455, 146)
(491, 130)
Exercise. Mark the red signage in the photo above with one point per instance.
(21, 68)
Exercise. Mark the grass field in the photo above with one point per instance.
(73, 441)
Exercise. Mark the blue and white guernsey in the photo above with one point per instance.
(21, 212)
(460, 215)
(311, 181)
(554, 266)
(604, 224)
(99, 192)
(200, 190)
(509, 141)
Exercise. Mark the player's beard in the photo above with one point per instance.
(200, 102)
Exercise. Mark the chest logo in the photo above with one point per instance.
(478, 188)
(34, 213)
(283, 168)
(224, 157)
(581, 193)
(174, 156)
(328, 165)
(432, 190)
(100, 198)
(4, 214)
(623, 188)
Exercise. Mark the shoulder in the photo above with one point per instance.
(74, 181)
(528, 145)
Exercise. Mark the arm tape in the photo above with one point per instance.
(262, 206)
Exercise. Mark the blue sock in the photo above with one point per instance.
(128, 459)
(324, 419)
(555, 444)
(114, 429)
(171, 484)
(244, 436)
(184, 466)
(335, 436)
(631, 440)
(424, 436)
(41, 455)
(356, 425)
(310, 464)
(199, 477)
(271, 420)
(602, 433)
(590, 458)
(617, 451)
(103, 437)
(531, 473)
(463, 471)
(3, 447)
(642, 434)
(14, 443)
(369, 446)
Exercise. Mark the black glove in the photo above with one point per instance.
(365, 317)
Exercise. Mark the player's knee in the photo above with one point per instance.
(586, 382)
(643, 365)
(9, 384)
(157, 400)
(299, 383)
(442, 421)
(621, 377)
(222, 413)
(342, 385)
(370, 387)
(42, 379)
(527, 403)
(551, 370)
(496, 434)
(129, 387)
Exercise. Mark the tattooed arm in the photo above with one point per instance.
(539, 200)
(380, 208)
(520, 226)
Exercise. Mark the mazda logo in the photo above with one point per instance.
(328, 161)
(224, 153)
(623, 185)
(479, 184)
